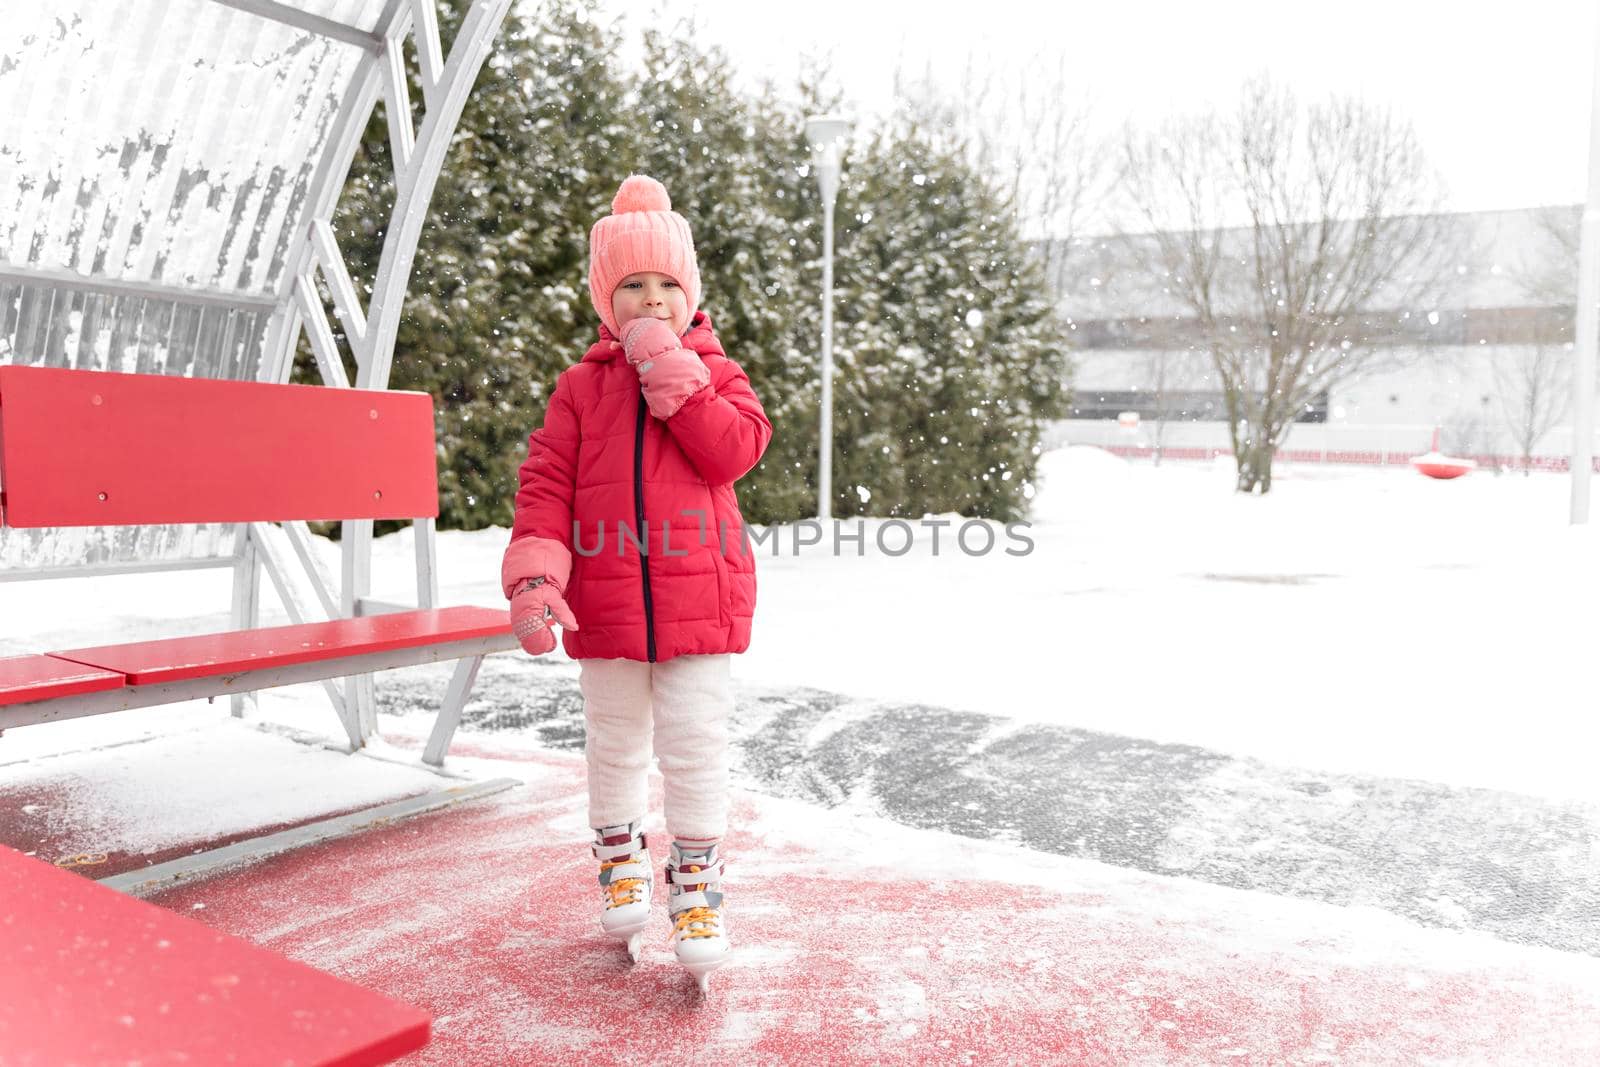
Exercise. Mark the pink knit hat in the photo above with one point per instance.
(641, 233)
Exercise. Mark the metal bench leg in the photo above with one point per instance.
(246, 613)
(359, 714)
(355, 554)
(366, 707)
(455, 698)
(345, 707)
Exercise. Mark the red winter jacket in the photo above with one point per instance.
(604, 470)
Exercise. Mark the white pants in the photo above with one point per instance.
(688, 700)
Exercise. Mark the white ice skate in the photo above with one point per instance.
(694, 901)
(626, 882)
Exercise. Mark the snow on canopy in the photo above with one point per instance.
(167, 141)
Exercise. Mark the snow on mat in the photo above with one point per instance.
(860, 941)
(200, 785)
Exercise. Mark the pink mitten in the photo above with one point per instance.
(671, 379)
(535, 601)
(645, 339)
(668, 372)
(534, 574)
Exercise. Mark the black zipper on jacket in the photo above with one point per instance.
(638, 518)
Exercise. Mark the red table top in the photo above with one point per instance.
(91, 976)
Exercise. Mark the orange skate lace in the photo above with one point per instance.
(623, 890)
(702, 923)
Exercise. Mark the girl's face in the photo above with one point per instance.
(648, 295)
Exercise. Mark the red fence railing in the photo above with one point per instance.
(1351, 457)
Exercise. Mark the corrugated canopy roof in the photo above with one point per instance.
(167, 141)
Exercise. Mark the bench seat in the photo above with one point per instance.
(93, 976)
(177, 659)
(25, 678)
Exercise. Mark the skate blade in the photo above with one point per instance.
(633, 939)
(702, 973)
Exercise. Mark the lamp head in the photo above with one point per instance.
(824, 131)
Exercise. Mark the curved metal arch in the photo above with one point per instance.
(419, 161)
(467, 54)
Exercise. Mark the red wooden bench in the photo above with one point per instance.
(96, 448)
(92, 976)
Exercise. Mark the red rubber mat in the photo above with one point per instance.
(860, 941)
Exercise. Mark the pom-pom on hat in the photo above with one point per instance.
(641, 233)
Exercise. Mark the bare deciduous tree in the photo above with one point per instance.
(1549, 274)
(1467, 433)
(1025, 124)
(1157, 373)
(1533, 385)
(1168, 377)
(1298, 238)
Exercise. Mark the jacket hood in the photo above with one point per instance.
(700, 338)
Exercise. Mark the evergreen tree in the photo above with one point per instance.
(950, 357)
(497, 304)
(735, 167)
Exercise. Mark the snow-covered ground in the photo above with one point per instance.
(1353, 621)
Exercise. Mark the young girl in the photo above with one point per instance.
(628, 533)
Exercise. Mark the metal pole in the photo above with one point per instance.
(1583, 370)
(826, 132)
(825, 448)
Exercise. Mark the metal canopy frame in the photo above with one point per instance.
(295, 304)
(311, 23)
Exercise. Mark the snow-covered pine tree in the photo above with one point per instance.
(734, 167)
(739, 170)
(498, 304)
(950, 358)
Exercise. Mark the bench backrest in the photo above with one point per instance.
(98, 448)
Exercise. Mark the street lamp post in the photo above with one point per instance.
(826, 134)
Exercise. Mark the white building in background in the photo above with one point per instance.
(1468, 367)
